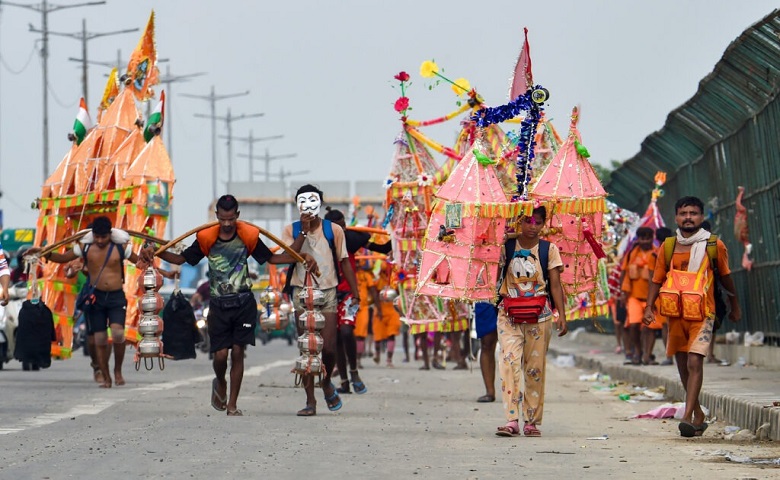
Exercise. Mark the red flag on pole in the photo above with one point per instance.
(523, 78)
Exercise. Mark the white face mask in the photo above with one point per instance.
(309, 203)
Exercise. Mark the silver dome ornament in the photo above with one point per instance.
(388, 294)
(310, 343)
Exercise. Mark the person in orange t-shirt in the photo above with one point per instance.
(634, 296)
(689, 340)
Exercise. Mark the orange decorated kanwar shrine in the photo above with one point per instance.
(112, 172)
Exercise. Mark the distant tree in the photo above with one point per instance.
(605, 173)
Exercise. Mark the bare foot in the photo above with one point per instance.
(106, 384)
(120, 380)
(98, 376)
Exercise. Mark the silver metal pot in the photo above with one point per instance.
(150, 347)
(388, 294)
(308, 364)
(310, 343)
(151, 302)
(285, 308)
(150, 325)
(311, 319)
(318, 296)
(269, 322)
(152, 280)
(269, 297)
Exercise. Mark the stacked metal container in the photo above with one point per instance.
(310, 322)
(150, 325)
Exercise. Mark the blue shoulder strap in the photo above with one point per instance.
(296, 229)
(327, 230)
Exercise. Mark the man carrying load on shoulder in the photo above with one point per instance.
(686, 287)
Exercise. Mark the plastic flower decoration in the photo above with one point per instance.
(428, 69)
(461, 86)
(424, 179)
(389, 181)
(402, 77)
(401, 104)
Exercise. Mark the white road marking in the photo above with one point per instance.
(95, 408)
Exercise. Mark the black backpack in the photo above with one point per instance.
(35, 334)
(181, 332)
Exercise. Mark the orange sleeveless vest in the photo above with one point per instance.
(247, 233)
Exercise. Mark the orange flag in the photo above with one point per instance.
(142, 67)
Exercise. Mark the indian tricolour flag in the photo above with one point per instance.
(155, 121)
(83, 123)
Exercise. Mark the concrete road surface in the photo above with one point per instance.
(56, 424)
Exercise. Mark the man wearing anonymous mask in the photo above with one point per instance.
(325, 241)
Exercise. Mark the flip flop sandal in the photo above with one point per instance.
(308, 411)
(219, 403)
(688, 430)
(235, 413)
(334, 401)
(530, 430)
(486, 399)
(360, 387)
(511, 429)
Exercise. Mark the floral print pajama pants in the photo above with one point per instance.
(522, 367)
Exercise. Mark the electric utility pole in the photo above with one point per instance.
(84, 36)
(44, 8)
(229, 119)
(283, 175)
(267, 159)
(212, 98)
(250, 140)
(167, 80)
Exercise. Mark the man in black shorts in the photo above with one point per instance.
(104, 250)
(232, 310)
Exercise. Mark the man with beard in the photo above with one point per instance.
(690, 329)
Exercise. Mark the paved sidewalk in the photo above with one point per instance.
(739, 395)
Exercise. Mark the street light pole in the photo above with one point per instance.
(44, 8)
(83, 36)
(212, 98)
(250, 140)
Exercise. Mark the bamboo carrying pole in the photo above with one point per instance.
(359, 228)
(298, 258)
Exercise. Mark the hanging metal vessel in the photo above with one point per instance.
(318, 297)
(310, 343)
(150, 325)
(388, 294)
(308, 364)
(151, 302)
(269, 297)
(149, 347)
(311, 320)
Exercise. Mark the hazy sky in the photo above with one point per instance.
(322, 72)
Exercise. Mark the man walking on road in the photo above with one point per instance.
(233, 309)
(531, 276)
(104, 251)
(325, 241)
(690, 322)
